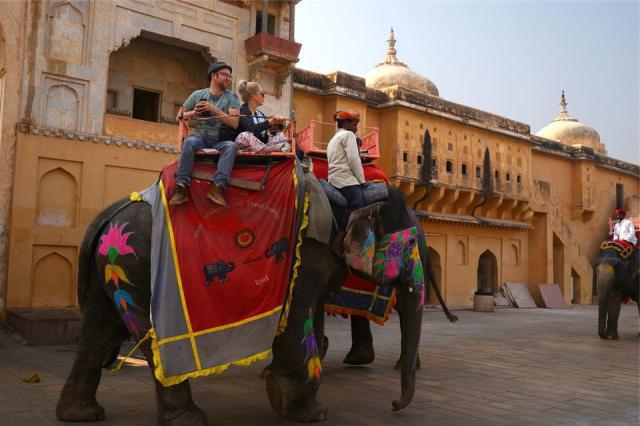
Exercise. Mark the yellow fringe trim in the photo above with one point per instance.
(217, 369)
(135, 196)
(282, 325)
(121, 363)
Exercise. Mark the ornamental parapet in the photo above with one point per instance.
(94, 138)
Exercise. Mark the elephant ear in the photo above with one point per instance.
(372, 210)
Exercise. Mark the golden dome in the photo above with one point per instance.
(392, 72)
(570, 131)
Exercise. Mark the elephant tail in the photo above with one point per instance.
(431, 277)
(86, 256)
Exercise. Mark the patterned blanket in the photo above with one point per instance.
(622, 247)
(359, 296)
(220, 275)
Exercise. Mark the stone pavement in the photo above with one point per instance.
(517, 367)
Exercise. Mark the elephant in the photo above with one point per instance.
(361, 351)
(291, 393)
(616, 280)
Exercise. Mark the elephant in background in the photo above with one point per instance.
(616, 280)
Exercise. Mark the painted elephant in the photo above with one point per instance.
(291, 392)
(617, 279)
(103, 327)
(361, 351)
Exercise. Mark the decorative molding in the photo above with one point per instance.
(93, 138)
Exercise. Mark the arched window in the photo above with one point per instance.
(487, 272)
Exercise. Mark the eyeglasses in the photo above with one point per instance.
(224, 74)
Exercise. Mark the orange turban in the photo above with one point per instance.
(344, 115)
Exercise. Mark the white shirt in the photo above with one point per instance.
(345, 167)
(624, 230)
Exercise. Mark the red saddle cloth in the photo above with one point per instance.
(234, 261)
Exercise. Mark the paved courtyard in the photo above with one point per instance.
(512, 366)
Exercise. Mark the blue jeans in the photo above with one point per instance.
(195, 142)
(355, 200)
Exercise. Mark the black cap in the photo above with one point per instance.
(216, 66)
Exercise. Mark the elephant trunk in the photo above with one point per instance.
(410, 300)
(605, 280)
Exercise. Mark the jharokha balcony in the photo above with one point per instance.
(278, 49)
(272, 55)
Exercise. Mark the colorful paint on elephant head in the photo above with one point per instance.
(398, 256)
(113, 243)
(312, 358)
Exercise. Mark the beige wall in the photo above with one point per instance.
(63, 184)
(460, 248)
(12, 53)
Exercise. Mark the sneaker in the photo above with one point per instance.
(216, 194)
(180, 195)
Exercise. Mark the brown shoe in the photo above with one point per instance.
(216, 194)
(180, 196)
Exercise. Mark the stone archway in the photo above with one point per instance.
(487, 272)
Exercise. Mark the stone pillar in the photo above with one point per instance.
(292, 21)
(265, 16)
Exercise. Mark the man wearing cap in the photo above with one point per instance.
(624, 229)
(343, 155)
(223, 106)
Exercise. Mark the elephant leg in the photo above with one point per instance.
(638, 306)
(603, 307)
(361, 352)
(99, 336)
(399, 362)
(295, 373)
(175, 404)
(615, 299)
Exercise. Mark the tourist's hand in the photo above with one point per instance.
(276, 119)
(203, 107)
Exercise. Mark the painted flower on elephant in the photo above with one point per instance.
(114, 242)
(312, 358)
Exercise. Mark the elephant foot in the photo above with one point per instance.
(284, 397)
(612, 335)
(360, 356)
(398, 365)
(72, 410)
(191, 415)
(281, 393)
(307, 410)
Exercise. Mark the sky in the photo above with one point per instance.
(509, 58)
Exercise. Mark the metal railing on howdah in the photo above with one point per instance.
(308, 142)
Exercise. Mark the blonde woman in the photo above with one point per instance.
(254, 125)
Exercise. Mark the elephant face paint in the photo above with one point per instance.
(397, 256)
